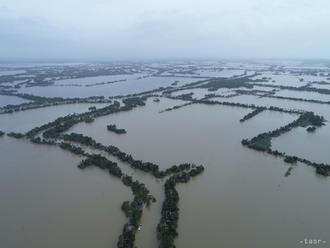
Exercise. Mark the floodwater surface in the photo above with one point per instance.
(239, 189)
(242, 199)
(130, 86)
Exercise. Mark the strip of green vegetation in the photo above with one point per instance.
(43, 102)
(166, 230)
(52, 135)
(252, 114)
(53, 129)
(233, 104)
(133, 210)
(262, 142)
(302, 88)
(176, 107)
(167, 227)
(147, 167)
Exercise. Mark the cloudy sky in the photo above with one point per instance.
(137, 29)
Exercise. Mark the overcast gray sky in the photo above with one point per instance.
(124, 29)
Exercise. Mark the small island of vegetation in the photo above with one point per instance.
(15, 135)
(311, 129)
(113, 128)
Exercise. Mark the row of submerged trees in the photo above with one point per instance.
(147, 167)
(42, 102)
(250, 115)
(55, 128)
(167, 227)
(52, 134)
(134, 209)
(262, 142)
(176, 107)
(270, 94)
(164, 236)
(232, 104)
(306, 88)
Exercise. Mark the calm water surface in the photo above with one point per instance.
(131, 86)
(5, 100)
(241, 200)
(48, 202)
(240, 188)
(24, 121)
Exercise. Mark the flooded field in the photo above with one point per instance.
(17, 122)
(48, 202)
(10, 72)
(130, 86)
(6, 100)
(243, 198)
(304, 95)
